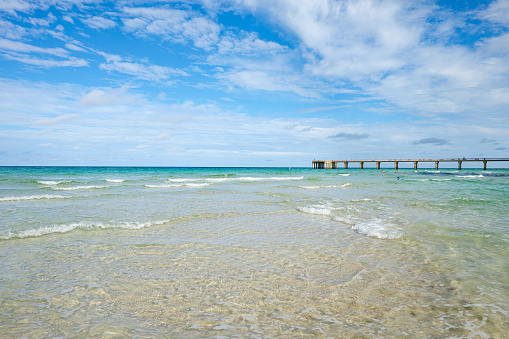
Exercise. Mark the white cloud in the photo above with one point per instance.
(99, 97)
(15, 50)
(57, 120)
(68, 18)
(275, 153)
(99, 23)
(398, 51)
(11, 31)
(405, 57)
(319, 109)
(16, 46)
(11, 6)
(213, 151)
(449, 80)
(266, 81)
(142, 71)
(202, 31)
(162, 136)
(47, 63)
(498, 12)
(172, 24)
(134, 24)
(350, 39)
(74, 47)
(247, 44)
(495, 46)
(43, 21)
(113, 121)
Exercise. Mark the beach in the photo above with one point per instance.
(102, 252)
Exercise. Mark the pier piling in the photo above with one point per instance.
(333, 164)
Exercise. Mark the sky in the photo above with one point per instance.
(251, 82)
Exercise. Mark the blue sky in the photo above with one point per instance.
(251, 83)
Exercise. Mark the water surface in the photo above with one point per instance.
(253, 252)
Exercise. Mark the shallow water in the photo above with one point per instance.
(253, 252)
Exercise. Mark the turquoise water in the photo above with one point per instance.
(253, 252)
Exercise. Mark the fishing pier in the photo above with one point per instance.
(333, 164)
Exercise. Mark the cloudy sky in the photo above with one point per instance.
(251, 82)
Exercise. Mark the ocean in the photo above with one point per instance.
(107, 252)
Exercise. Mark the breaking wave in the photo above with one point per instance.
(235, 179)
(65, 228)
(33, 197)
(377, 228)
(178, 185)
(326, 186)
(52, 182)
(75, 188)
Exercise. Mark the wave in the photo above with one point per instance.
(33, 197)
(235, 179)
(317, 209)
(327, 186)
(267, 178)
(444, 179)
(115, 180)
(470, 201)
(178, 185)
(344, 174)
(226, 175)
(373, 228)
(345, 219)
(190, 180)
(470, 176)
(52, 182)
(74, 188)
(65, 228)
(377, 228)
(465, 174)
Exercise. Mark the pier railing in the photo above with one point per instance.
(332, 164)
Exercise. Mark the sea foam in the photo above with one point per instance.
(65, 228)
(33, 197)
(52, 182)
(377, 228)
(318, 209)
(470, 176)
(178, 185)
(326, 186)
(234, 179)
(74, 188)
(373, 228)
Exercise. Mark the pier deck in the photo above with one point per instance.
(333, 164)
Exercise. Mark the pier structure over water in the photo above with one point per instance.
(333, 164)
